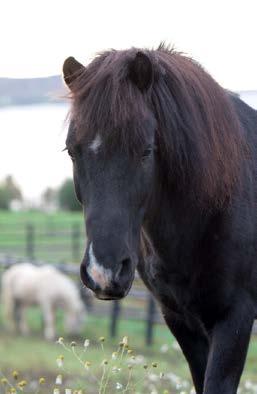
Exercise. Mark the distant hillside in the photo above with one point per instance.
(51, 89)
(30, 91)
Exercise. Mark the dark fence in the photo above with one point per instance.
(138, 305)
(49, 241)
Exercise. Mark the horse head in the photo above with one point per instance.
(113, 166)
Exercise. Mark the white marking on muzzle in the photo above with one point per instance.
(95, 144)
(100, 275)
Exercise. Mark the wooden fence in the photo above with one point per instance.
(49, 241)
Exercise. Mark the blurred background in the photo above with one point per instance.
(41, 221)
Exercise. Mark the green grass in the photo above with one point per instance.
(35, 357)
(60, 218)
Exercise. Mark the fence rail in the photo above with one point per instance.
(49, 241)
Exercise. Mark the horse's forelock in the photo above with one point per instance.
(107, 103)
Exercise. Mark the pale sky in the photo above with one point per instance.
(36, 36)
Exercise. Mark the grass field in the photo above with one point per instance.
(33, 357)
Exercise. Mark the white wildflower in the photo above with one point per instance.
(136, 360)
(86, 343)
(175, 346)
(251, 386)
(125, 341)
(87, 365)
(164, 348)
(59, 362)
(185, 384)
(118, 386)
(58, 379)
(68, 391)
(153, 377)
(114, 355)
(116, 369)
(248, 384)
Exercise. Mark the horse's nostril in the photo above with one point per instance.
(83, 271)
(88, 282)
(124, 269)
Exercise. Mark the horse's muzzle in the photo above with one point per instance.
(105, 284)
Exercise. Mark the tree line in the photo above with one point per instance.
(62, 197)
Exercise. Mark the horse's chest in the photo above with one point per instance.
(177, 290)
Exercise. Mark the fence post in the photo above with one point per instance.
(30, 241)
(115, 313)
(150, 320)
(75, 242)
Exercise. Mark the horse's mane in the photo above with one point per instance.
(200, 137)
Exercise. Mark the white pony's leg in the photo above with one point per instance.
(68, 320)
(49, 320)
(22, 321)
(12, 322)
(8, 302)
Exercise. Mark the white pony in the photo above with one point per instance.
(25, 284)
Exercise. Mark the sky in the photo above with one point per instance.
(36, 36)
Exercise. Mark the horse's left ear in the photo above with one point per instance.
(141, 71)
(71, 69)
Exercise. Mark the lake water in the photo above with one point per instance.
(32, 138)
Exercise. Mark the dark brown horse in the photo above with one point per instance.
(160, 148)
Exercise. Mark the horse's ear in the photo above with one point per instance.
(141, 71)
(71, 69)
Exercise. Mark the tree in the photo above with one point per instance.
(49, 196)
(12, 188)
(9, 191)
(4, 198)
(66, 197)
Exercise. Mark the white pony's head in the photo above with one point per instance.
(74, 318)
